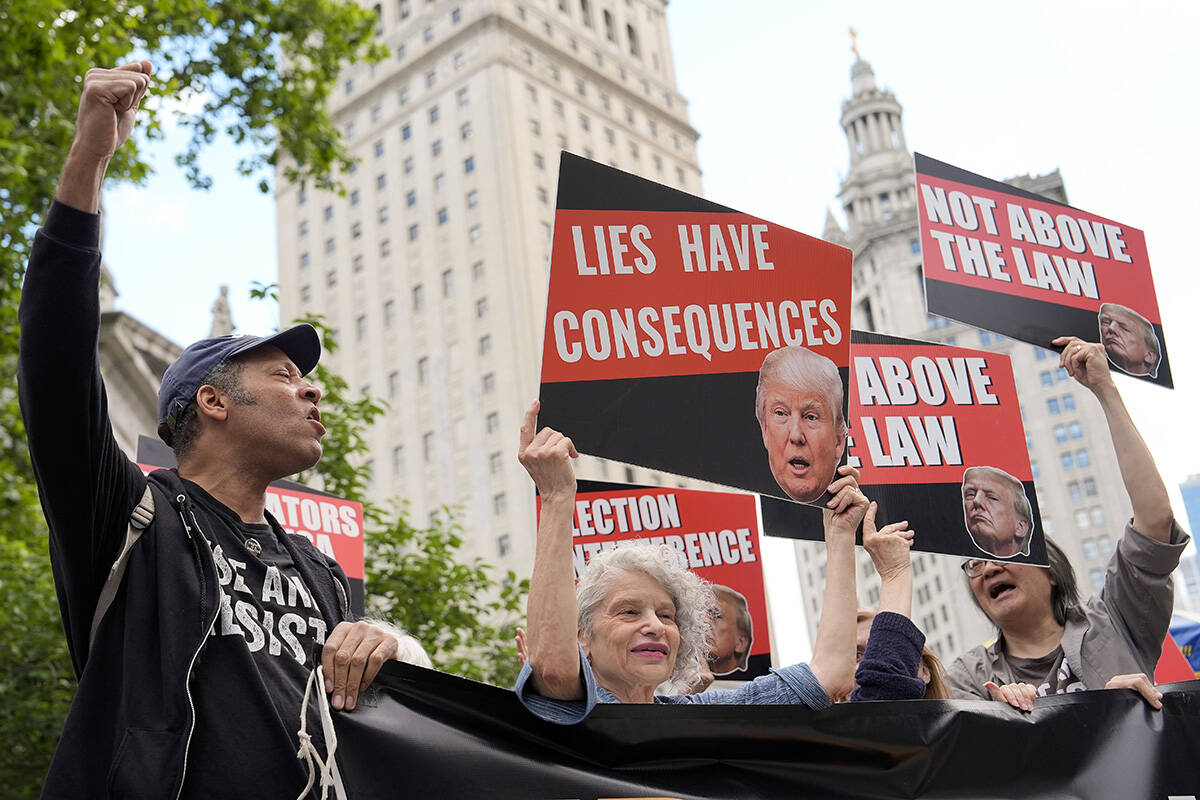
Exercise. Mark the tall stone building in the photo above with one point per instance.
(1079, 489)
(432, 265)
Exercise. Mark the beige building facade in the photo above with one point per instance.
(433, 264)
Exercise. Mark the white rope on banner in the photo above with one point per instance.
(308, 751)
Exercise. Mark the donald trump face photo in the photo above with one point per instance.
(1129, 340)
(799, 409)
(997, 513)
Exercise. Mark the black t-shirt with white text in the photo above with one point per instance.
(248, 682)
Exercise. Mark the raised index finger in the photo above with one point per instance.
(529, 424)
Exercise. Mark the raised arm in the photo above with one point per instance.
(889, 550)
(834, 650)
(552, 641)
(1086, 363)
(107, 110)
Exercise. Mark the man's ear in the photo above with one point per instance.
(211, 403)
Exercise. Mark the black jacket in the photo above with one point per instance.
(128, 729)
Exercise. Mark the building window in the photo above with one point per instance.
(433, 113)
(383, 213)
(456, 16)
(1096, 576)
(475, 234)
(357, 263)
(477, 271)
(422, 370)
(472, 198)
(462, 97)
(1060, 433)
(304, 227)
(1098, 520)
(1083, 458)
(1033, 468)
(464, 131)
(1074, 490)
(405, 132)
(442, 216)
(400, 52)
(405, 10)
(418, 297)
(489, 383)
(354, 197)
(538, 161)
(1068, 401)
(398, 459)
(585, 122)
(385, 247)
(427, 34)
(542, 195)
(499, 504)
(504, 545)
(349, 86)
(389, 313)
(427, 446)
(430, 78)
(408, 165)
(1089, 545)
(301, 197)
(493, 422)
(1076, 430)
(356, 230)
(1052, 405)
(305, 293)
(447, 283)
(380, 181)
(413, 231)
(394, 384)
(328, 213)
(331, 276)
(1089, 487)
(485, 344)
(481, 307)
(439, 181)
(330, 245)
(1105, 542)
(495, 463)
(436, 147)
(469, 164)
(378, 149)
(459, 61)
(304, 259)
(635, 49)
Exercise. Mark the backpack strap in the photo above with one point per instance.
(141, 516)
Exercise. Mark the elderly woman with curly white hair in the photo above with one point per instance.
(639, 619)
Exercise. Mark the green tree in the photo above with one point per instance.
(262, 71)
(417, 577)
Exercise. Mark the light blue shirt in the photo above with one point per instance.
(794, 685)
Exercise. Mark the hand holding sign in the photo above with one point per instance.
(546, 456)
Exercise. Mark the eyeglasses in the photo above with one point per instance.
(974, 566)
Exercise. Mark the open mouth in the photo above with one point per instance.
(999, 589)
(798, 463)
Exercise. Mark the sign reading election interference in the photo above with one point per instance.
(662, 310)
(936, 434)
(1028, 267)
(716, 533)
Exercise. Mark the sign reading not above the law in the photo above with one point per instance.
(1028, 267)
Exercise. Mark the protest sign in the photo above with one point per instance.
(717, 535)
(1028, 267)
(936, 434)
(662, 308)
(450, 737)
(333, 524)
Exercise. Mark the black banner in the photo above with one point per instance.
(420, 733)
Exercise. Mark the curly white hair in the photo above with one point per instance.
(695, 603)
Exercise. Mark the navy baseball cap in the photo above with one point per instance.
(184, 377)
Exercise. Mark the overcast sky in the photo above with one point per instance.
(1105, 92)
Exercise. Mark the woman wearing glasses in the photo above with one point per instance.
(1050, 642)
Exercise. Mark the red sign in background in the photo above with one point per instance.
(717, 532)
(638, 312)
(975, 388)
(1116, 281)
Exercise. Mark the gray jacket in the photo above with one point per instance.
(1118, 631)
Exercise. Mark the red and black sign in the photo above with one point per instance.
(1028, 267)
(451, 737)
(661, 310)
(715, 532)
(936, 434)
(333, 524)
